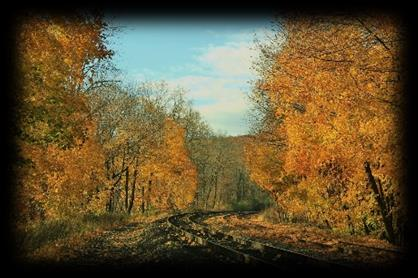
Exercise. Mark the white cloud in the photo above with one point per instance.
(208, 87)
(231, 59)
(222, 104)
(226, 115)
(235, 57)
(218, 83)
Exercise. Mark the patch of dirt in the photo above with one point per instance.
(137, 244)
(310, 240)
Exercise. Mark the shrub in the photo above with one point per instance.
(249, 204)
(274, 215)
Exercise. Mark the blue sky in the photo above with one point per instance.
(210, 58)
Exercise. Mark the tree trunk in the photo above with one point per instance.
(215, 190)
(109, 206)
(143, 199)
(387, 219)
(209, 193)
(126, 189)
(196, 197)
(111, 202)
(240, 193)
(328, 225)
(350, 225)
(131, 203)
(366, 227)
(149, 192)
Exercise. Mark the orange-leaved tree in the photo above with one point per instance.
(55, 132)
(335, 83)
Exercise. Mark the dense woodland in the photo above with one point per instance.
(325, 145)
(328, 125)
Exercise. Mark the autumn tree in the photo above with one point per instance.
(335, 84)
(54, 130)
(145, 148)
(223, 179)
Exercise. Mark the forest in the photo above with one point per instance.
(324, 148)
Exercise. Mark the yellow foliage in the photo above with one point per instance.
(333, 82)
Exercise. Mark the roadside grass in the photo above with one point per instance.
(36, 235)
(33, 238)
(272, 215)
